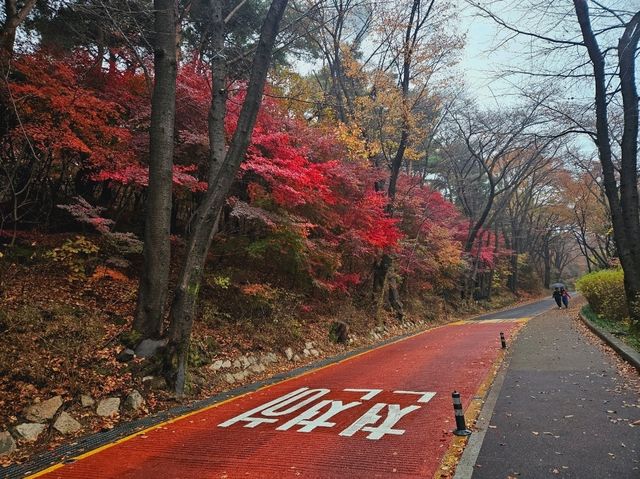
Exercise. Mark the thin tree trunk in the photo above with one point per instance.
(221, 177)
(152, 294)
(496, 249)
(384, 267)
(515, 245)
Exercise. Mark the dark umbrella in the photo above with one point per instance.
(557, 285)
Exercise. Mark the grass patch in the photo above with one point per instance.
(620, 329)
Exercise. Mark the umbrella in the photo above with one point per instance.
(557, 285)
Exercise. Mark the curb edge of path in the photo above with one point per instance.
(624, 351)
(464, 467)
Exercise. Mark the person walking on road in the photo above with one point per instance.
(557, 295)
(565, 297)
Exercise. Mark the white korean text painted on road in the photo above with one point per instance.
(378, 420)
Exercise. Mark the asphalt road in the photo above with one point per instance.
(524, 311)
(384, 413)
(563, 410)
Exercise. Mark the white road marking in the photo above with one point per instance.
(368, 420)
(378, 421)
(272, 407)
(309, 424)
(371, 393)
(425, 397)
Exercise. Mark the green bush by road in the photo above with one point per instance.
(604, 290)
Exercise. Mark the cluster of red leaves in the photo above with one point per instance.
(431, 251)
(488, 247)
(81, 119)
(300, 172)
(62, 118)
(322, 209)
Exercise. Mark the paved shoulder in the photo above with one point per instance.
(563, 410)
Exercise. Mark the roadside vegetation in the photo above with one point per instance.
(187, 183)
(620, 329)
(604, 291)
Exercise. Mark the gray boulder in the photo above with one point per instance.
(86, 400)
(150, 347)
(229, 378)
(134, 401)
(289, 353)
(30, 431)
(216, 365)
(108, 407)
(43, 411)
(65, 424)
(273, 357)
(7, 444)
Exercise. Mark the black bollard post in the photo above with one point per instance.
(503, 341)
(461, 427)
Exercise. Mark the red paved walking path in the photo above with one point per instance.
(454, 357)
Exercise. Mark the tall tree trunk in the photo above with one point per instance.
(152, 294)
(13, 18)
(627, 50)
(496, 250)
(221, 176)
(623, 201)
(384, 267)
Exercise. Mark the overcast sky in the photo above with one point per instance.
(480, 60)
(486, 56)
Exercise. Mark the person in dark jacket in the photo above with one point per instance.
(557, 295)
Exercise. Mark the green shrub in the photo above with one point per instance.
(74, 254)
(604, 290)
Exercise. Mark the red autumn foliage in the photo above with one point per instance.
(320, 212)
(63, 119)
(76, 123)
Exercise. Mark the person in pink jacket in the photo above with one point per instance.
(565, 297)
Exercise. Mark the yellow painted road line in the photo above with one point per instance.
(226, 401)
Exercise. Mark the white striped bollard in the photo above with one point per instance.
(503, 341)
(461, 427)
